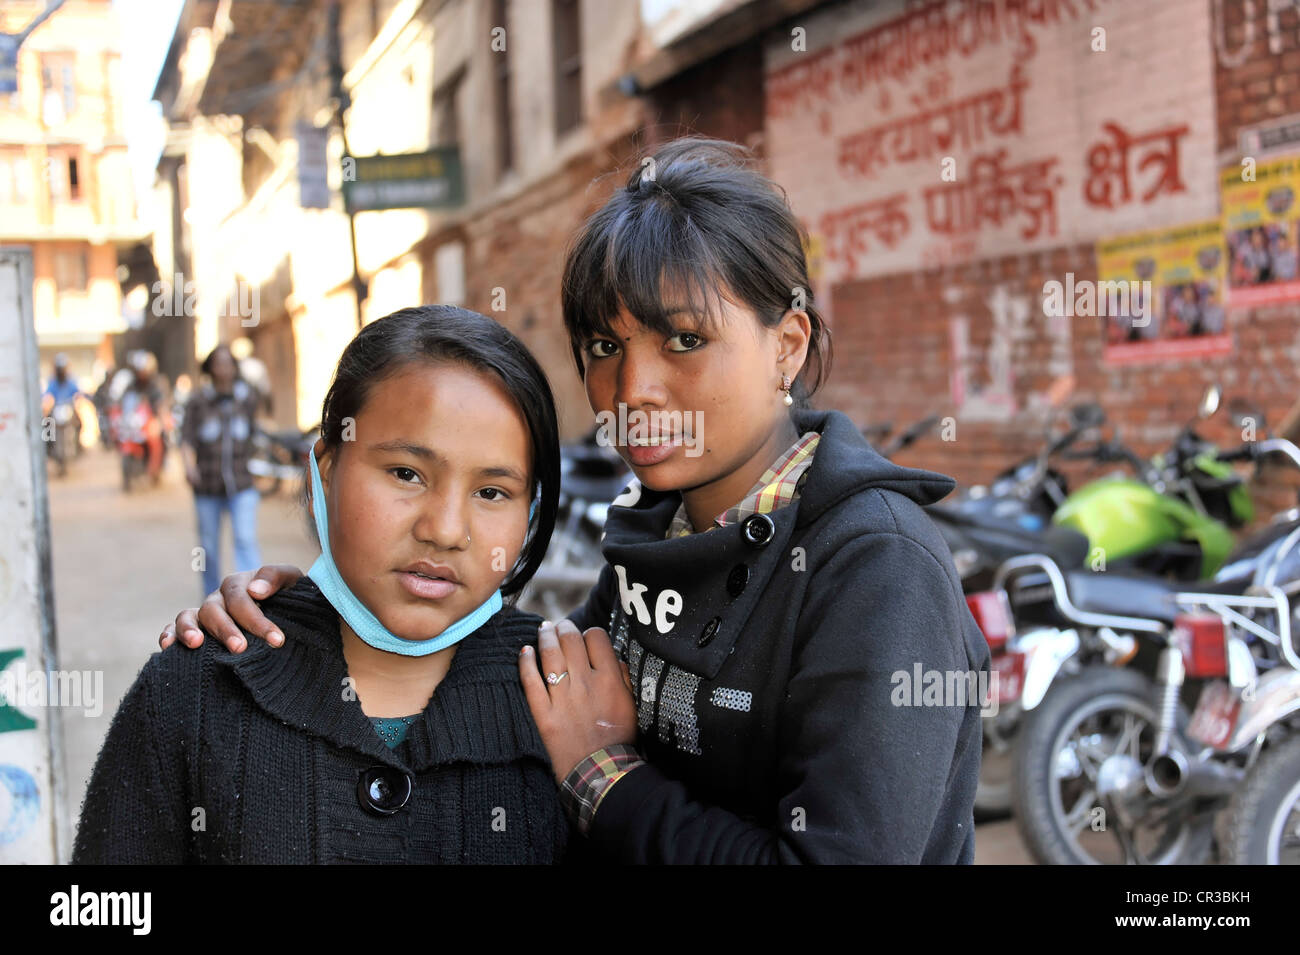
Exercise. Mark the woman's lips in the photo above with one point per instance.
(644, 456)
(426, 588)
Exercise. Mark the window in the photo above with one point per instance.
(501, 99)
(15, 179)
(58, 87)
(568, 64)
(70, 270)
(446, 116)
(64, 173)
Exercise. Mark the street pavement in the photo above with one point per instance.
(122, 569)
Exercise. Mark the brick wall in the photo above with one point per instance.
(929, 325)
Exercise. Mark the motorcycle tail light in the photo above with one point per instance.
(990, 610)
(1204, 644)
(1008, 670)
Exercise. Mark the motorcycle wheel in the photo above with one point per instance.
(1103, 718)
(130, 466)
(1263, 820)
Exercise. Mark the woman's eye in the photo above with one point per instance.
(405, 475)
(496, 494)
(688, 340)
(601, 348)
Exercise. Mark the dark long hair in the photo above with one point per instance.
(447, 334)
(698, 223)
(206, 367)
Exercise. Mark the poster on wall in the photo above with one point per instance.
(1165, 291)
(1260, 223)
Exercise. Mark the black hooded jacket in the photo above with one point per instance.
(802, 678)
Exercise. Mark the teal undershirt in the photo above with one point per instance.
(392, 729)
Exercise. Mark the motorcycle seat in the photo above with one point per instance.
(1139, 595)
(599, 489)
(1064, 545)
(1124, 595)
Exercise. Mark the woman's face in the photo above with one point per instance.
(222, 369)
(713, 396)
(428, 506)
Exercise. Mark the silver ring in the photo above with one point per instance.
(554, 678)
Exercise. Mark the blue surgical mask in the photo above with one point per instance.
(364, 623)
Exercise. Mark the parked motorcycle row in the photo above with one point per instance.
(1148, 691)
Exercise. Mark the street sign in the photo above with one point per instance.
(9, 62)
(313, 168)
(427, 180)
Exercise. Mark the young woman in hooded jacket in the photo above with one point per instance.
(806, 674)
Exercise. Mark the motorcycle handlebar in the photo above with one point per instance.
(1252, 450)
(1244, 453)
(1279, 446)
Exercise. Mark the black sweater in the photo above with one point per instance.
(256, 758)
(769, 704)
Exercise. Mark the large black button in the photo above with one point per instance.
(709, 632)
(758, 529)
(383, 790)
(737, 580)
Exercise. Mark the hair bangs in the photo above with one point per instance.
(646, 260)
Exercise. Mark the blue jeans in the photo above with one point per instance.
(243, 521)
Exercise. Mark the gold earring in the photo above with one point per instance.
(785, 386)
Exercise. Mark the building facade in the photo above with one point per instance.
(950, 161)
(65, 180)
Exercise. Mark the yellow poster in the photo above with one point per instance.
(1260, 220)
(1169, 286)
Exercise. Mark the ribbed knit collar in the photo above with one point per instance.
(477, 714)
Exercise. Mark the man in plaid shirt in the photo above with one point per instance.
(216, 442)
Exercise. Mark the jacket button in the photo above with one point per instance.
(709, 632)
(758, 529)
(737, 580)
(383, 790)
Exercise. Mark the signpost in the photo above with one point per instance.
(9, 63)
(427, 180)
(313, 168)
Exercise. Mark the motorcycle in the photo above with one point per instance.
(64, 447)
(1171, 520)
(279, 457)
(130, 420)
(1110, 766)
(591, 476)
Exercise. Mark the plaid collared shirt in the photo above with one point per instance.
(589, 781)
(221, 430)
